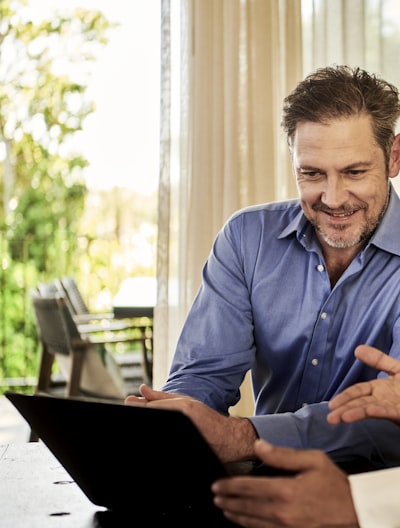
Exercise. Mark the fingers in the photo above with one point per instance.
(149, 395)
(286, 458)
(132, 400)
(375, 358)
(261, 502)
(246, 499)
(347, 415)
(152, 395)
(355, 403)
(366, 407)
(289, 459)
(365, 410)
(158, 399)
(364, 400)
(358, 390)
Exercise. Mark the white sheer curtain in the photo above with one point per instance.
(364, 33)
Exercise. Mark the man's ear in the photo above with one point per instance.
(394, 161)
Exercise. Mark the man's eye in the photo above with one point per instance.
(310, 174)
(356, 172)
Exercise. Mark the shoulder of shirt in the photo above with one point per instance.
(282, 206)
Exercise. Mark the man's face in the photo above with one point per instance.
(341, 179)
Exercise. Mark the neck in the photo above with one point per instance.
(338, 260)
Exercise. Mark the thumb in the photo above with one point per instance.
(151, 394)
(377, 359)
(287, 458)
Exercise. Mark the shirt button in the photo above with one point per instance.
(314, 362)
(324, 315)
(320, 267)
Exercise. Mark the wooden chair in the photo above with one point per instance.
(87, 364)
(87, 321)
(82, 314)
(78, 303)
(110, 330)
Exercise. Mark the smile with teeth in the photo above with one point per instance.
(341, 215)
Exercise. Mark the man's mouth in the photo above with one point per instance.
(339, 215)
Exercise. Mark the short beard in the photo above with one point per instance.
(340, 243)
(365, 234)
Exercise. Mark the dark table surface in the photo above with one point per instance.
(122, 312)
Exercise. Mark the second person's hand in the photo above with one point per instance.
(376, 398)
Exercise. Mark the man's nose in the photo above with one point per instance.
(335, 193)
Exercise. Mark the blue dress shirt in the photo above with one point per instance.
(266, 304)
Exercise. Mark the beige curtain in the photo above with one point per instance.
(225, 79)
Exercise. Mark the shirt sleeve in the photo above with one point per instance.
(373, 440)
(376, 498)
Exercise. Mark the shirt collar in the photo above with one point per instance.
(386, 236)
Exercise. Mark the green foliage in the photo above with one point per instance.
(17, 327)
(42, 191)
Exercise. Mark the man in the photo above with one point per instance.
(291, 288)
(321, 495)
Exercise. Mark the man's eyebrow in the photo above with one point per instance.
(352, 166)
(358, 165)
(308, 167)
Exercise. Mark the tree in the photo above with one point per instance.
(42, 104)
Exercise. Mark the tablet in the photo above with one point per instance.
(131, 460)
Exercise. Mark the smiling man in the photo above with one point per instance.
(343, 185)
(291, 288)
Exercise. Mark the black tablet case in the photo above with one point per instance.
(132, 460)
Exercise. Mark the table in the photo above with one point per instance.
(37, 492)
(136, 297)
(131, 312)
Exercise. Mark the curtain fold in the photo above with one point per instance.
(231, 68)
(161, 334)
(362, 33)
